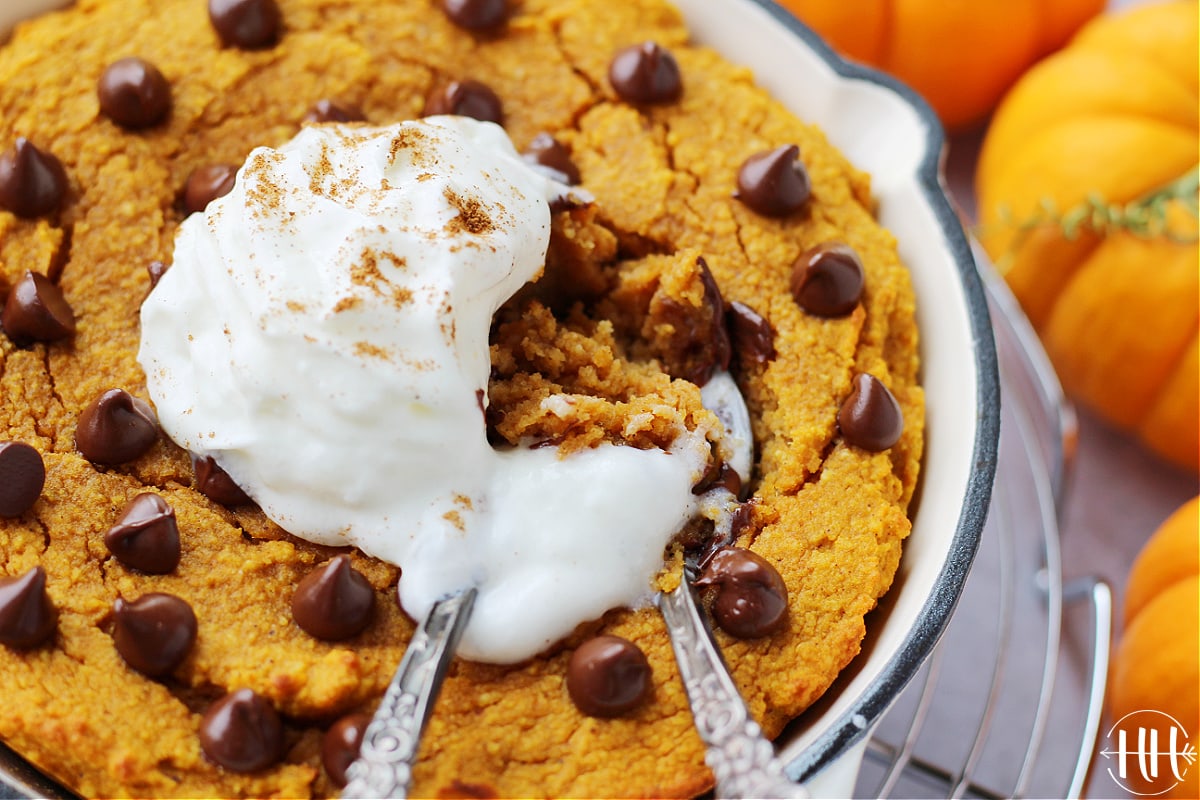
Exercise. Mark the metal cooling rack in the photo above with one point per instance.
(1009, 703)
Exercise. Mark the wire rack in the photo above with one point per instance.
(1009, 703)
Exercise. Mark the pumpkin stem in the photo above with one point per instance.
(1145, 217)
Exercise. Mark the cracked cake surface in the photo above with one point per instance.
(620, 322)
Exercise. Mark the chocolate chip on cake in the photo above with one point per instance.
(206, 184)
(22, 476)
(550, 154)
(333, 111)
(154, 633)
(645, 74)
(466, 98)
(340, 746)
(242, 732)
(752, 337)
(608, 676)
(476, 15)
(215, 483)
(774, 183)
(115, 428)
(699, 343)
(870, 417)
(33, 182)
(146, 537)
(27, 617)
(36, 311)
(751, 597)
(827, 280)
(246, 24)
(334, 601)
(134, 93)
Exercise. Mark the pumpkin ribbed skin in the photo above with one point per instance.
(960, 56)
(1156, 664)
(1113, 116)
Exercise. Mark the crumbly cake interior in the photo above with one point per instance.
(828, 515)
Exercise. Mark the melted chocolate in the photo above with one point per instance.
(752, 337)
(146, 537)
(154, 633)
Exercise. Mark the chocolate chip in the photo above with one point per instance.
(723, 476)
(246, 24)
(774, 183)
(645, 74)
(215, 483)
(340, 745)
(153, 633)
(22, 476)
(115, 428)
(608, 676)
(476, 15)
(146, 537)
(206, 184)
(751, 597)
(827, 280)
(466, 98)
(333, 111)
(27, 617)
(156, 269)
(870, 417)
(698, 344)
(36, 311)
(32, 182)
(550, 154)
(134, 93)
(334, 601)
(752, 337)
(242, 732)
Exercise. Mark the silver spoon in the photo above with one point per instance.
(389, 747)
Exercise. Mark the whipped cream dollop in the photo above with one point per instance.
(323, 335)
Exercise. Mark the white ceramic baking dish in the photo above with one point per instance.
(888, 131)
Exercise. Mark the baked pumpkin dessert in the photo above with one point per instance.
(317, 310)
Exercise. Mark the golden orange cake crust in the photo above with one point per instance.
(603, 325)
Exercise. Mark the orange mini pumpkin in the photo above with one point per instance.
(1087, 194)
(960, 56)
(1156, 665)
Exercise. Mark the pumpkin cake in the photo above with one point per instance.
(161, 635)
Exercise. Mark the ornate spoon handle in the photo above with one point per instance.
(740, 757)
(389, 746)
